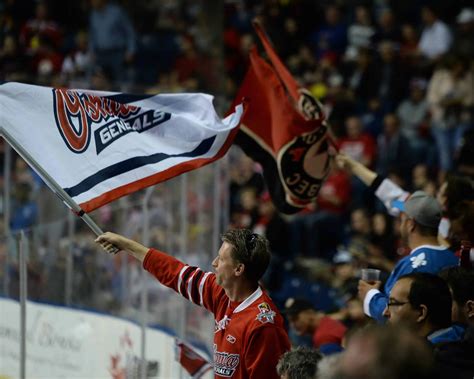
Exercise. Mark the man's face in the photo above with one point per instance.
(224, 265)
(399, 309)
(301, 322)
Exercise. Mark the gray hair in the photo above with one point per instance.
(300, 363)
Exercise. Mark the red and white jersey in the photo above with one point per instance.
(249, 337)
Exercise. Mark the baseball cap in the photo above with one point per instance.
(421, 207)
(293, 306)
(465, 16)
(342, 257)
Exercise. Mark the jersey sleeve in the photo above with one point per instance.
(264, 348)
(192, 283)
(388, 191)
(376, 305)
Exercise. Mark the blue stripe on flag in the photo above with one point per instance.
(133, 163)
(125, 98)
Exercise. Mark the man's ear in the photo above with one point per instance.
(411, 224)
(239, 269)
(469, 307)
(423, 313)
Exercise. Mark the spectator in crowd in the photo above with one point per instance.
(76, 66)
(327, 333)
(112, 39)
(420, 218)
(13, 64)
(299, 363)
(409, 46)
(461, 284)
(358, 145)
(360, 34)
(315, 231)
(393, 149)
(436, 37)
(40, 27)
(387, 27)
(413, 113)
(451, 99)
(360, 230)
(248, 325)
(385, 352)
(464, 34)
(392, 76)
(456, 359)
(24, 208)
(360, 78)
(451, 195)
(332, 36)
(361, 147)
(383, 242)
(422, 301)
(271, 225)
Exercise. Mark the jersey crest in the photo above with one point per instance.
(266, 314)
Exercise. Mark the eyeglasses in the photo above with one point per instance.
(394, 303)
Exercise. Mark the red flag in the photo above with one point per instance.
(195, 364)
(284, 130)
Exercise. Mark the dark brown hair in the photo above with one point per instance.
(251, 249)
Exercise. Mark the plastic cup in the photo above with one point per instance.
(370, 275)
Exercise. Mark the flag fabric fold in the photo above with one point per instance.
(193, 362)
(283, 129)
(99, 146)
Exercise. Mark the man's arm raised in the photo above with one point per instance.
(358, 169)
(109, 241)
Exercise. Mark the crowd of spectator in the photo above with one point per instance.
(397, 83)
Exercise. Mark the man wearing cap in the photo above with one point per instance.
(327, 332)
(420, 217)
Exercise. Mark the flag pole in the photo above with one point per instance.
(51, 183)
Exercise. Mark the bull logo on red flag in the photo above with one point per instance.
(283, 129)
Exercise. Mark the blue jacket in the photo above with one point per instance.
(452, 334)
(431, 259)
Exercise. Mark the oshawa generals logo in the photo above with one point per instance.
(77, 113)
(225, 363)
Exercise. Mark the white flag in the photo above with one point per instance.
(99, 146)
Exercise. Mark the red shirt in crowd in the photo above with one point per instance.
(249, 336)
(329, 331)
(361, 148)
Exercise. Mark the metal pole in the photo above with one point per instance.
(144, 292)
(226, 194)
(69, 260)
(216, 208)
(200, 187)
(21, 243)
(6, 213)
(184, 248)
(51, 183)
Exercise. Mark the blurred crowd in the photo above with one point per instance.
(397, 82)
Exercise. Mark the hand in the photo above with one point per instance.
(111, 242)
(343, 161)
(365, 287)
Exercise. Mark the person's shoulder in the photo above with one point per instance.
(431, 249)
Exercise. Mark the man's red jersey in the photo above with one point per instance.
(249, 337)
